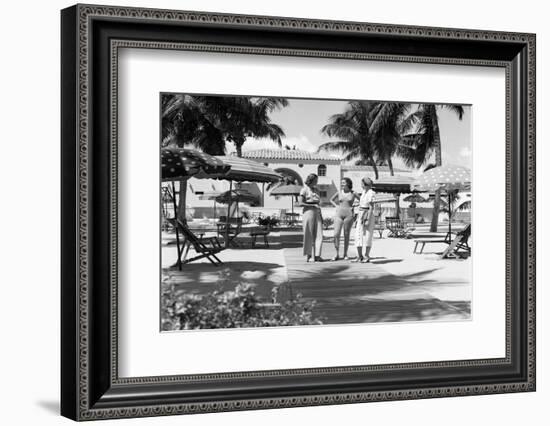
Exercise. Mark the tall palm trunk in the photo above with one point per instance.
(374, 167)
(397, 196)
(181, 213)
(438, 162)
(239, 146)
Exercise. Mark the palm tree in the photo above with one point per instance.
(417, 148)
(352, 127)
(186, 121)
(208, 122)
(387, 127)
(244, 117)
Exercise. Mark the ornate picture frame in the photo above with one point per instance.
(91, 38)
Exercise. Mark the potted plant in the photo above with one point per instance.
(268, 222)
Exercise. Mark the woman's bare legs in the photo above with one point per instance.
(348, 224)
(338, 224)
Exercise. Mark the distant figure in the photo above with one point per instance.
(312, 220)
(364, 225)
(343, 218)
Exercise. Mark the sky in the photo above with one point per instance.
(303, 119)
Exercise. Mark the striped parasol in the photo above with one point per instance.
(181, 163)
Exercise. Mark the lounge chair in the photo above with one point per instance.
(205, 247)
(459, 246)
(397, 228)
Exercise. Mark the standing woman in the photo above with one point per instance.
(364, 226)
(343, 218)
(312, 220)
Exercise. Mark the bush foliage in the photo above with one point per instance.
(231, 309)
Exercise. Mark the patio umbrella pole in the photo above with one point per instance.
(228, 215)
(176, 220)
(449, 207)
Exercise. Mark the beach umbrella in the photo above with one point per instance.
(243, 170)
(447, 178)
(212, 197)
(236, 195)
(292, 190)
(413, 199)
(181, 164)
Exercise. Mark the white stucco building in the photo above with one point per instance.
(294, 166)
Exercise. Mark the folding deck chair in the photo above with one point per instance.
(459, 245)
(205, 247)
(397, 228)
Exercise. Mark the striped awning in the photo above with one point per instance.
(393, 184)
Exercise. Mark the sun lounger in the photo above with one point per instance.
(205, 247)
(423, 241)
(456, 246)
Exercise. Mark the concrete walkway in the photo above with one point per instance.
(348, 292)
(397, 285)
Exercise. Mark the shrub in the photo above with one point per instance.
(327, 222)
(231, 309)
(268, 221)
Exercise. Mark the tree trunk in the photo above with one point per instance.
(397, 196)
(181, 202)
(239, 146)
(374, 167)
(437, 147)
(390, 165)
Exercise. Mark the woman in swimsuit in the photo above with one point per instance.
(343, 217)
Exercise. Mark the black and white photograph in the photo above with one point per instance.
(283, 211)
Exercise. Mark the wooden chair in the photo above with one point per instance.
(260, 232)
(229, 229)
(397, 228)
(205, 247)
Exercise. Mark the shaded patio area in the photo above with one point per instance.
(396, 286)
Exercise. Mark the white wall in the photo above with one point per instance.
(29, 140)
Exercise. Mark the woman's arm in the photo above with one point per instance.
(304, 202)
(333, 199)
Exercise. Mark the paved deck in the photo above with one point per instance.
(348, 292)
(396, 286)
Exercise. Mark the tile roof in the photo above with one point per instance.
(384, 169)
(289, 154)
